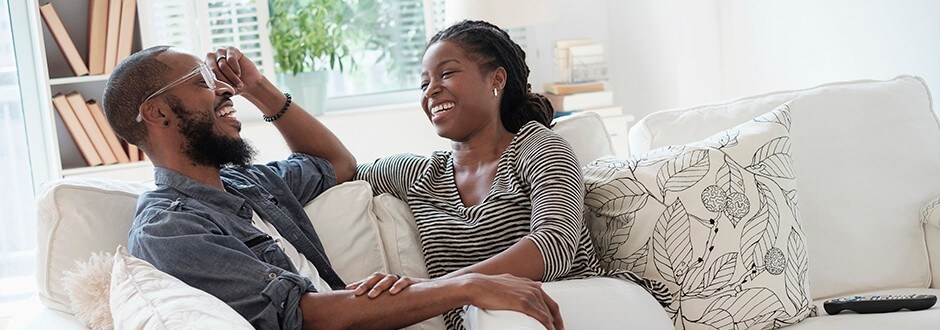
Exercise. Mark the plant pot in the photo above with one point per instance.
(307, 89)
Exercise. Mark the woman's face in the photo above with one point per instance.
(457, 96)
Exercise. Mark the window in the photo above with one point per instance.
(389, 39)
(18, 237)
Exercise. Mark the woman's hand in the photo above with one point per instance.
(378, 283)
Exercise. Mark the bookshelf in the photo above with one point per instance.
(55, 75)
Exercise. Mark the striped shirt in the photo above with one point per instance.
(538, 194)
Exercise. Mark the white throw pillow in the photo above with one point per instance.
(143, 297)
(89, 287)
(717, 221)
(75, 218)
(403, 253)
(343, 219)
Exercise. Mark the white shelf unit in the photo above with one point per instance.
(53, 75)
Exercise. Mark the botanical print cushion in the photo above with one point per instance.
(716, 220)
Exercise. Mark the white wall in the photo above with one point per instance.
(785, 44)
(681, 53)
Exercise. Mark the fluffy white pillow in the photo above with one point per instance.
(659, 215)
(143, 297)
(343, 219)
(88, 286)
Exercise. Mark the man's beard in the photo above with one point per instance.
(204, 146)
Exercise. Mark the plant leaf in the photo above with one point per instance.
(672, 245)
(729, 177)
(618, 197)
(719, 273)
(760, 232)
(780, 115)
(682, 172)
(635, 263)
(773, 159)
(796, 274)
(747, 305)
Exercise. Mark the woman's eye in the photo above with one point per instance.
(424, 86)
(446, 73)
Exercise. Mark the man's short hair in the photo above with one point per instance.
(130, 83)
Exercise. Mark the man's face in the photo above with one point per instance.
(205, 117)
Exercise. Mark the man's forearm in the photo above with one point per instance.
(302, 132)
(343, 310)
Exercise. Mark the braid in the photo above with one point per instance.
(493, 48)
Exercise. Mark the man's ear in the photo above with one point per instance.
(154, 113)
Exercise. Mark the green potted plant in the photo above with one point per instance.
(308, 38)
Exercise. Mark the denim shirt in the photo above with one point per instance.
(204, 236)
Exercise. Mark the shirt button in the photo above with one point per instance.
(282, 305)
(271, 275)
(273, 200)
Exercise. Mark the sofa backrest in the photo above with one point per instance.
(867, 158)
(586, 133)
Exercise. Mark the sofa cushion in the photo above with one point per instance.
(143, 297)
(75, 218)
(904, 319)
(346, 225)
(867, 161)
(594, 303)
(586, 133)
(659, 215)
(398, 234)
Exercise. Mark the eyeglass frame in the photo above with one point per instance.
(207, 75)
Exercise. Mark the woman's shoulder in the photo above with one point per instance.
(535, 137)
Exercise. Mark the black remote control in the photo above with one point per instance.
(880, 304)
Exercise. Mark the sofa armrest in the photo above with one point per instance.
(594, 303)
(932, 235)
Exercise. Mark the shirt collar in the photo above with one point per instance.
(197, 190)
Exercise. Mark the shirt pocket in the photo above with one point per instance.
(266, 249)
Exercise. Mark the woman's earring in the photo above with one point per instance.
(166, 123)
(494, 92)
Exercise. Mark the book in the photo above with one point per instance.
(560, 88)
(126, 29)
(97, 35)
(111, 41)
(113, 142)
(581, 101)
(75, 129)
(77, 102)
(61, 36)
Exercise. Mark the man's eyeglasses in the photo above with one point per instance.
(207, 75)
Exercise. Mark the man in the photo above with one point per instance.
(238, 231)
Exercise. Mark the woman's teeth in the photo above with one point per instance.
(441, 108)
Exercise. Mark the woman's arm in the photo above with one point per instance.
(557, 194)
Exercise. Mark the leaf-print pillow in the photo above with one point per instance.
(716, 220)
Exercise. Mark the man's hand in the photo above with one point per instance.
(507, 292)
(234, 68)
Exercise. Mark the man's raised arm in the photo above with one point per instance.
(302, 132)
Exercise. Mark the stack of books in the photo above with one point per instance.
(583, 72)
(110, 35)
(88, 126)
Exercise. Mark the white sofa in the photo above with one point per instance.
(867, 161)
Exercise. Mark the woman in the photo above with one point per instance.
(508, 198)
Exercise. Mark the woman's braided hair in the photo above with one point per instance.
(492, 48)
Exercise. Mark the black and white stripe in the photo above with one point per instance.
(538, 194)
